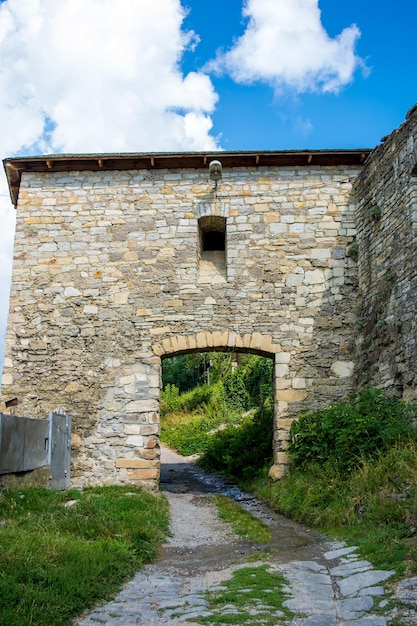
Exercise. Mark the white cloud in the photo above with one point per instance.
(286, 46)
(95, 76)
(99, 75)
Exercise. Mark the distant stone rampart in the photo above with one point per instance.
(386, 219)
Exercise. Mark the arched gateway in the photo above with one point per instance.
(123, 260)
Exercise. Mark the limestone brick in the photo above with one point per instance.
(283, 458)
(141, 406)
(290, 395)
(342, 369)
(281, 370)
(107, 283)
(144, 474)
(276, 472)
(137, 463)
(298, 383)
(132, 429)
(282, 383)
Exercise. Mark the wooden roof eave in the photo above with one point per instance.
(15, 166)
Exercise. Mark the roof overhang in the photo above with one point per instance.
(15, 166)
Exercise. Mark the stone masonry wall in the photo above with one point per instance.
(109, 279)
(387, 263)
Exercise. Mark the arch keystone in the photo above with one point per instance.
(223, 339)
(192, 342)
(231, 339)
(239, 341)
(246, 340)
(217, 338)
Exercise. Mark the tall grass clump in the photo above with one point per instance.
(197, 413)
(63, 552)
(353, 474)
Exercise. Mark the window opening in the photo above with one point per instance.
(212, 257)
(213, 240)
(212, 233)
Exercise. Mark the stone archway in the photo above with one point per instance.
(254, 343)
(135, 455)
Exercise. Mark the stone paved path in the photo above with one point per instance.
(331, 586)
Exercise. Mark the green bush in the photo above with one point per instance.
(343, 434)
(241, 451)
(169, 399)
(190, 436)
(235, 391)
(258, 380)
(198, 412)
(250, 384)
(198, 399)
(195, 399)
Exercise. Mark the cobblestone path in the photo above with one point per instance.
(328, 584)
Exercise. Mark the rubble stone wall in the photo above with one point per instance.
(110, 278)
(387, 264)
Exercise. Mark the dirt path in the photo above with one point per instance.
(328, 584)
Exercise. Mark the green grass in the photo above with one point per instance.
(244, 524)
(250, 588)
(373, 506)
(57, 561)
(188, 433)
(191, 432)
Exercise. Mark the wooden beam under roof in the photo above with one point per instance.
(16, 166)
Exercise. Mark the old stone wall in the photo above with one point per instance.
(387, 264)
(111, 275)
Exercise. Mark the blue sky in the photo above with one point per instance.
(366, 109)
(182, 75)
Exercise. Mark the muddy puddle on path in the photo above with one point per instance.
(201, 543)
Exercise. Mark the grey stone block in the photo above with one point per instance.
(351, 585)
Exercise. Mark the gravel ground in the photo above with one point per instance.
(206, 529)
